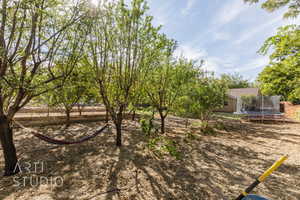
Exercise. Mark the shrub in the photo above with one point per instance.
(202, 98)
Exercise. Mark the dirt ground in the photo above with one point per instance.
(213, 165)
(292, 111)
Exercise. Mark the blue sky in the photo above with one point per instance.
(225, 33)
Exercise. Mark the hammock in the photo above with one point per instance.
(62, 142)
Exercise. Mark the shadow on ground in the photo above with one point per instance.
(212, 166)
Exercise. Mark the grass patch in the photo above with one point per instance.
(228, 116)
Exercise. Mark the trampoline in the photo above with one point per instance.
(258, 105)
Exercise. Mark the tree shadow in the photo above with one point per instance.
(209, 168)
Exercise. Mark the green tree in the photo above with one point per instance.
(281, 76)
(76, 88)
(122, 45)
(31, 36)
(166, 83)
(235, 81)
(203, 96)
(272, 5)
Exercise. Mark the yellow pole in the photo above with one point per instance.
(272, 168)
(262, 177)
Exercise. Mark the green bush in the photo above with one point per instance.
(147, 125)
(161, 145)
(202, 97)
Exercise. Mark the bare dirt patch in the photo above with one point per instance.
(213, 166)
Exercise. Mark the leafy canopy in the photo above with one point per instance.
(202, 97)
(235, 81)
(282, 75)
(272, 5)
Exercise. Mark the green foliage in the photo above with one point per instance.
(294, 97)
(282, 75)
(191, 136)
(147, 124)
(171, 147)
(35, 35)
(153, 142)
(161, 145)
(167, 82)
(202, 97)
(235, 81)
(77, 87)
(123, 46)
(272, 5)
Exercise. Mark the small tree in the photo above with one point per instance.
(76, 88)
(166, 83)
(204, 95)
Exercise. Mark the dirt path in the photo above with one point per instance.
(213, 166)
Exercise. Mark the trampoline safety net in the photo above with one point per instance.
(258, 105)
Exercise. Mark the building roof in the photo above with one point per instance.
(237, 92)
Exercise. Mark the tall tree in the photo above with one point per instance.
(282, 75)
(122, 44)
(235, 81)
(31, 35)
(272, 5)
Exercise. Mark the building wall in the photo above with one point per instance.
(230, 107)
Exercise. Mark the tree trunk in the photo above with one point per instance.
(68, 118)
(186, 123)
(118, 123)
(162, 122)
(79, 109)
(106, 115)
(133, 115)
(119, 134)
(9, 150)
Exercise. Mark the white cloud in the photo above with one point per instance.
(188, 7)
(254, 64)
(219, 35)
(161, 12)
(270, 27)
(211, 63)
(219, 65)
(230, 11)
(257, 29)
(190, 52)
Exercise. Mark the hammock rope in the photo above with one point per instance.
(61, 142)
